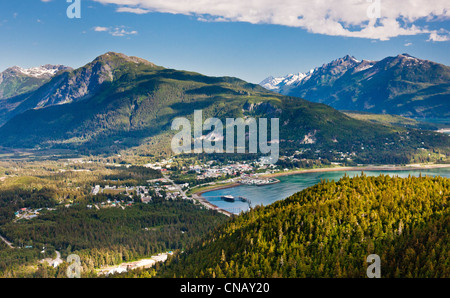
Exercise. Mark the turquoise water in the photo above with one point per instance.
(289, 185)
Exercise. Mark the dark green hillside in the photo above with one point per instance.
(137, 102)
(329, 230)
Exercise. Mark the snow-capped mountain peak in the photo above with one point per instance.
(335, 68)
(401, 84)
(272, 83)
(41, 71)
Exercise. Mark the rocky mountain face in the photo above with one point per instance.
(70, 85)
(84, 82)
(402, 85)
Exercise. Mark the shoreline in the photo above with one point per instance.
(363, 168)
(198, 197)
(217, 188)
(413, 167)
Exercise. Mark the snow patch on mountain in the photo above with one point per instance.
(274, 84)
(335, 69)
(41, 71)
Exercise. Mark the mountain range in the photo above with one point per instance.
(119, 102)
(401, 85)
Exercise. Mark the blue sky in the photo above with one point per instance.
(240, 41)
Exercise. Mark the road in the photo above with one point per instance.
(183, 193)
(56, 262)
(6, 241)
(197, 198)
(58, 259)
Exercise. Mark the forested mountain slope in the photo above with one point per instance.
(329, 230)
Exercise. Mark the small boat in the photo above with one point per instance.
(228, 199)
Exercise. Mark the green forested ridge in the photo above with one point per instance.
(136, 103)
(329, 230)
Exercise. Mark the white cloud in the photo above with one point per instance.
(132, 10)
(100, 29)
(434, 36)
(329, 17)
(119, 31)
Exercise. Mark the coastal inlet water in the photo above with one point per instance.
(289, 185)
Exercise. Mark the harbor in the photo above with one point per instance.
(231, 201)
